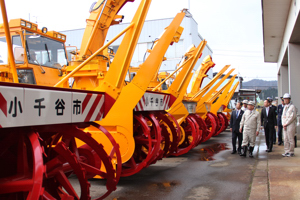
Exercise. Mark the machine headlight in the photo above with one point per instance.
(28, 25)
(23, 23)
(44, 30)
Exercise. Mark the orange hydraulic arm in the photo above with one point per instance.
(228, 98)
(103, 15)
(230, 94)
(201, 92)
(200, 74)
(91, 74)
(182, 78)
(119, 120)
(114, 79)
(221, 97)
(9, 44)
(206, 95)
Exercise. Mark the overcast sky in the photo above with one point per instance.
(233, 28)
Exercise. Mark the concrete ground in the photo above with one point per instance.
(210, 171)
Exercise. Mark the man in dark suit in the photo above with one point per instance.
(235, 120)
(269, 122)
(279, 124)
(274, 107)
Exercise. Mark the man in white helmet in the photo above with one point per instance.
(245, 103)
(250, 125)
(289, 119)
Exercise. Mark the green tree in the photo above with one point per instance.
(270, 92)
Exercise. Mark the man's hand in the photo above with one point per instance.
(240, 130)
(257, 132)
(230, 129)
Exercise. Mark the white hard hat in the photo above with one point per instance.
(286, 96)
(245, 101)
(251, 103)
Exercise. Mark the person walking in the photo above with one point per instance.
(245, 102)
(235, 120)
(279, 122)
(269, 123)
(289, 119)
(250, 125)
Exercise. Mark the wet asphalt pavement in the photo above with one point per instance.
(209, 171)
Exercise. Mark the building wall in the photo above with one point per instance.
(153, 29)
(288, 59)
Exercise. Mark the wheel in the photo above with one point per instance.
(222, 124)
(191, 131)
(22, 168)
(211, 125)
(64, 157)
(147, 136)
(171, 130)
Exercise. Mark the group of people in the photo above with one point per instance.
(246, 122)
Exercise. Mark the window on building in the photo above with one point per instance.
(140, 51)
(175, 51)
(179, 49)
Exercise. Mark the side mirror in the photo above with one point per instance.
(19, 54)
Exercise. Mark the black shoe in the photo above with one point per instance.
(270, 150)
(274, 142)
(233, 152)
(244, 151)
(239, 152)
(267, 150)
(251, 152)
(279, 143)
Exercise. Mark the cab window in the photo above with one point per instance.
(44, 51)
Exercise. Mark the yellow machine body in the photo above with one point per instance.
(217, 100)
(204, 94)
(119, 121)
(227, 100)
(200, 74)
(182, 80)
(39, 54)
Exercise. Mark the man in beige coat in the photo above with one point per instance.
(289, 119)
(250, 124)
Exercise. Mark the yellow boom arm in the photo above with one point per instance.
(200, 93)
(206, 95)
(200, 74)
(119, 120)
(177, 86)
(114, 79)
(221, 97)
(103, 15)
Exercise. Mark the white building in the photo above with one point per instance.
(152, 29)
(281, 27)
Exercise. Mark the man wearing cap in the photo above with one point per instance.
(250, 125)
(289, 119)
(245, 102)
(269, 123)
(279, 124)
